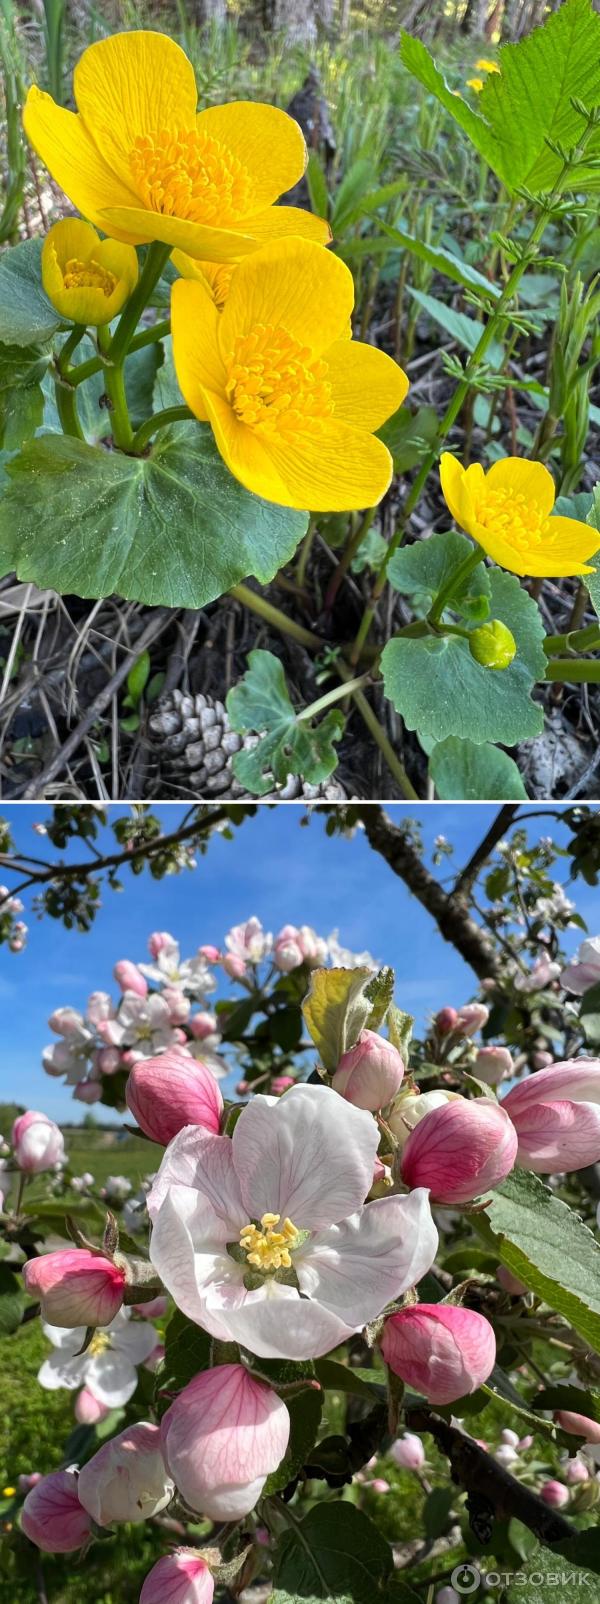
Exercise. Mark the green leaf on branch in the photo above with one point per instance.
(336, 1377)
(171, 529)
(336, 1010)
(288, 744)
(380, 992)
(548, 1247)
(440, 690)
(576, 1399)
(305, 1410)
(187, 1351)
(21, 396)
(589, 1014)
(421, 570)
(336, 1552)
(12, 1300)
(463, 772)
(561, 1572)
(530, 99)
(27, 317)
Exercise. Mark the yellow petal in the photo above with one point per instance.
(520, 477)
(336, 469)
(66, 149)
(137, 225)
(245, 455)
(198, 364)
(367, 386)
(133, 84)
(291, 284)
(543, 561)
(267, 142)
(278, 222)
(460, 489)
(72, 240)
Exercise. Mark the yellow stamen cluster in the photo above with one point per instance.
(88, 276)
(513, 517)
(221, 282)
(275, 384)
(99, 1343)
(192, 176)
(269, 1249)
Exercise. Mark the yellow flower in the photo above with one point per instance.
(476, 84)
(139, 162)
(291, 400)
(483, 65)
(215, 276)
(7, 1492)
(87, 279)
(507, 511)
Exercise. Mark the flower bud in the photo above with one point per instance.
(75, 1287)
(510, 1437)
(556, 1114)
(492, 645)
(234, 967)
(281, 1084)
(179, 1578)
(52, 1516)
(37, 1142)
(108, 1060)
(380, 1485)
(492, 1064)
(412, 1107)
(575, 1471)
(178, 1005)
(471, 1018)
(447, 1595)
(506, 1455)
(460, 1150)
(408, 1452)
(99, 1006)
(202, 1025)
(554, 1494)
(209, 952)
(171, 1091)
(287, 955)
(127, 1478)
(510, 1282)
(445, 1020)
(222, 1437)
(578, 1425)
(154, 1309)
(87, 1091)
(130, 978)
(155, 1358)
(87, 279)
(439, 1349)
(66, 1022)
(159, 941)
(88, 1409)
(370, 1074)
(541, 1060)
(525, 1442)
(25, 1483)
(584, 970)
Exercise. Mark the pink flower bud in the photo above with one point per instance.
(281, 1083)
(155, 1358)
(445, 1020)
(158, 941)
(52, 1516)
(554, 1494)
(578, 1425)
(510, 1437)
(575, 1471)
(525, 1443)
(510, 1282)
(584, 971)
(154, 1309)
(203, 1025)
(211, 954)
(88, 1409)
(556, 1114)
(130, 978)
(439, 1349)
(178, 1578)
(127, 1478)
(75, 1287)
(541, 1060)
(506, 1455)
(37, 1142)
(408, 1452)
(25, 1483)
(171, 1091)
(99, 1006)
(370, 1074)
(180, 1036)
(221, 1437)
(242, 1088)
(87, 1091)
(380, 1485)
(460, 1150)
(65, 1022)
(471, 1018)
(492, 1064)
(108, 1060)
(178, 1005)
(234, 967)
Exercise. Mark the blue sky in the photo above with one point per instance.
(273, 868)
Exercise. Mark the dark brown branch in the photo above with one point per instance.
(487, 1481)
(502, 822)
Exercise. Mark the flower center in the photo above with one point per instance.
(191, 175)
(221, 282)
(275, 384)
(99, 1343)
(88, 276)
(514, 518)
(267, 1248)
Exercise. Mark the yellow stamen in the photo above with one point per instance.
(99, 1343)
(275, 384)
(268, 1249)
(88, 275)
(192, 176)
(510, 515)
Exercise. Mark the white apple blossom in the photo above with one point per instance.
(303, 1163)
(249, 941)
(342, 958)
(192, 975)
(143, 1023)
(108, 1366)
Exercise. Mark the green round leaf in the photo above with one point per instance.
(27, 317)
(421, 570)
(336, 1552)
(463, 772)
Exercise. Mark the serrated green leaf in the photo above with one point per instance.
(463, 772)
(289, 744)
(27, 317)
(400, 1027)
(380, 992)
(439, 689)
(336, 1552)
(548, 1247)
(335, 1011)
(560, 1572)
(530, 99)
(171, 529)
(21, 397)
(423, 569)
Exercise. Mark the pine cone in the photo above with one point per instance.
(194, 737)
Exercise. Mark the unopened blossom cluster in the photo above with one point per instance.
(15, 930)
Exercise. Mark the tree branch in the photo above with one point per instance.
(502, 822)
(487, 1482)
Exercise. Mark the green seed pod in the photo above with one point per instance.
(492, 645)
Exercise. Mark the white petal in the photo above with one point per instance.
(111, 1377)
(355, 1268)
(310, 1156)
(188, 1258)
(136, 1341)
(68, 1338)
(59, 1371)
(277, 1324)
(196, 1158)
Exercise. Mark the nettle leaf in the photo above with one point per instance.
(562, 1571)
(548, 1247)
(305, 1410)
(336, 1552)
(440, 690)
(420, 571)
(21, 396)
(172, 529)
(335, 1010)
(463, 772)
(289, 743)
(530, 99)
(27, 317)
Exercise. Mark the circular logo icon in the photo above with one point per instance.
(465, 1578)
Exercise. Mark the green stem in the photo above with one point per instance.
(156, 260)
(272, 615)
(385, 746)
(581, 640)
(575, 670)
(336, 695)
(160, 420)
(348, 557)
(453, 584)
(66, 406)
(70, 345)
(305, 551)
(114, 380)
(86, 370)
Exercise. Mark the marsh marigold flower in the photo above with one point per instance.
(507, 511)
(139, 162)
(87, 279)
(476, 84)
(292, 401)
(486, 65)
